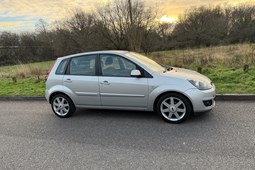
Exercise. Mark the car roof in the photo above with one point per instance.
(96, 52)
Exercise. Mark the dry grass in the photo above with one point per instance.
(231, 55)
(22, 71)
(27, 71)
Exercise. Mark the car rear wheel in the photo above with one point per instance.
(174, 108)
(62, 106)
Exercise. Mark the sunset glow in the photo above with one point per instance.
(167, 19)
(22, 15)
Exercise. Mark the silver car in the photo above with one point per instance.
(126, 81)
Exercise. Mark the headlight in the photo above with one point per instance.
(201, 85)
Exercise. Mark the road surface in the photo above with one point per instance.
(32, 137)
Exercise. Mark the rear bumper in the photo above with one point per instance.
(47, 95)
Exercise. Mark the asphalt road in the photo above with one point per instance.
(32, 137)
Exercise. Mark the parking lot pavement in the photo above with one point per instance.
(32, 137)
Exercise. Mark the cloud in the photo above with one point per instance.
(14, 24)
(25, 13)
(174, 8)
(17, 26)
(21, 13)
(47, 9)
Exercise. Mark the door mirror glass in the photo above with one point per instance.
(135, 73)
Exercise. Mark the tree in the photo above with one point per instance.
(242, 24)
(201, 26)
(42, 26)
(124, 23)
(82, 32)
(42, 30)
(9, 39)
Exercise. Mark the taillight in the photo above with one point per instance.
(48, 72)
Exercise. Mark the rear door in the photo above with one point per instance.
(82, 80)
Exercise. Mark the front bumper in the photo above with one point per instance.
(202, 100)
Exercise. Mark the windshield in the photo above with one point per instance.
(152, 65)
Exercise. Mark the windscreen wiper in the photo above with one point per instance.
(168, 68)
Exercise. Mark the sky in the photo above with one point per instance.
(22, 15)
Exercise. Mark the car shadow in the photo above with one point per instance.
(118, 114)
(131, 115)
(199, 117)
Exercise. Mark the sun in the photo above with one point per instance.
(165, 18)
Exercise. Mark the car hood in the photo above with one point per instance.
(186, 74)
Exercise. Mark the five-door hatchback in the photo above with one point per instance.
(126, 81)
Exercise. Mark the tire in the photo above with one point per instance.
(62, 106)
(173, 108)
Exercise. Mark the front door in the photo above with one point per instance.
(117, 87)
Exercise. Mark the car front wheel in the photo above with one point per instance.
(174, 108)
(62, 106)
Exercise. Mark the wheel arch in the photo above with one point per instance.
(171, 92)
(58, 92)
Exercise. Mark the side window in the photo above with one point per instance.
(84, 65)
(62, 67)
(117, 66)
(127, 64)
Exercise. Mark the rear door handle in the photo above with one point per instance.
(68, 80)
(105, 83)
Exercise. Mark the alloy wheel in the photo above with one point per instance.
(61, 106)
(173, 109)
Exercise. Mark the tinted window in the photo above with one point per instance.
(113, 65)
(84, 65)
(62, 67)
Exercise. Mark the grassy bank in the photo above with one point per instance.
(23, 79)
(23, 87)
(223, 65)
(231, 56)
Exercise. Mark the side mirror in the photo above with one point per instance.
(135, 73)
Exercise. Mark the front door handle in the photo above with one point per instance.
(105, 83)
(68, 80)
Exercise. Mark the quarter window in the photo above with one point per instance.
(84, 65)
(62, 67)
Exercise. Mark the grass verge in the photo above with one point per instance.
(232, 80)
(223, 65)
(23, 87)
(23, 79)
